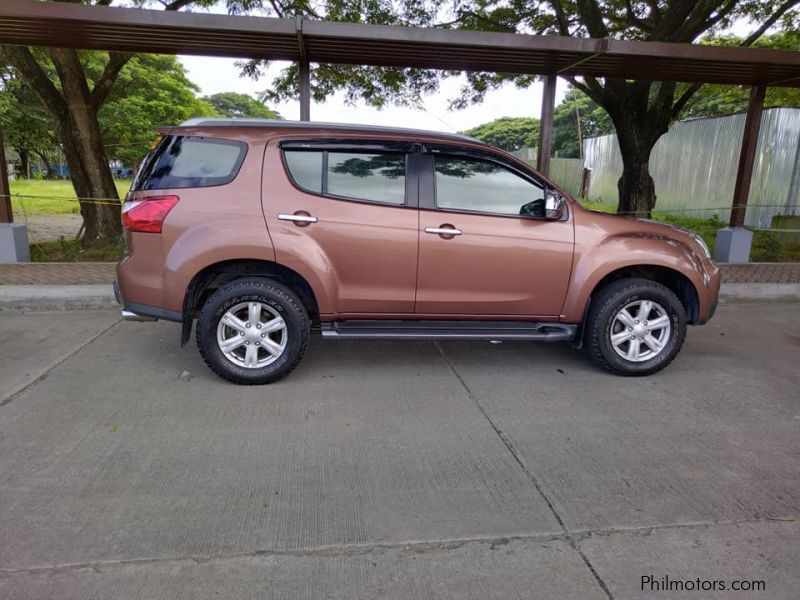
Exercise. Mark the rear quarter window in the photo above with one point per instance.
(180, 161)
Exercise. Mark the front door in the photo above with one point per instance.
(477, 255)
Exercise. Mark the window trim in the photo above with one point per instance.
(410, 199)
(427, 195)
(244, 148)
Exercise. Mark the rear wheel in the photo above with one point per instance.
(252, 331)
(635, 327)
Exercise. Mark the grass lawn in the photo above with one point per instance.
(40, 197)
(768, 246)
(71, 251)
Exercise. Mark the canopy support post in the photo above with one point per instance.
(305, 73)
(733, 242)
(546, 125)
(6, 215)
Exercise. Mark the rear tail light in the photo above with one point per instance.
(147, 214)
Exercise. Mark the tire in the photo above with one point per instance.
(247, 351)
(616, 311)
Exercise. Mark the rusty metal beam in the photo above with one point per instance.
(6, 215)
(305, 91)
(744, 173)
(305, 73)
(546, 125)
(70, 25)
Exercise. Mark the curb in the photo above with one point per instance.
(33, 298)
(759, 292)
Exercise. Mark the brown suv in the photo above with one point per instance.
(261, 229)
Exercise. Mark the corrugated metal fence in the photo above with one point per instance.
(566, 172)
(694, 167)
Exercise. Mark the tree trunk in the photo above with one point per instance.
(637, 190)
(25, 163)
(90, 172)
(638, 126)
(49, 172)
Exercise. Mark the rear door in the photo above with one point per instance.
(478, 255)
(344, 214)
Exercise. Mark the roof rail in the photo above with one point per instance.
(283, 124)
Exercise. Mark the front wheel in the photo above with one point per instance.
(635, 327)
(252, 331)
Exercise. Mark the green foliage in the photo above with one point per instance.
(26, 124)
(151, 91)
(594, 121)
(508, 133)
(720, 100)
(233, 105)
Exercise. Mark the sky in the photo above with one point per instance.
(221, 75)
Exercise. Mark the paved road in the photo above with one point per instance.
(396, 470)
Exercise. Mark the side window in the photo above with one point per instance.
(305, 167)
(474, 184)
(186, 161)
(374, 176)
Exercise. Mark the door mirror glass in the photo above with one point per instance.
(554, 205)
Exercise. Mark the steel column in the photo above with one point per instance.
(305, 91)
(747, 154)
(305, 71)
(546, 125)
(6, 216)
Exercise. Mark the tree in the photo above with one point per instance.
(508, 133)
(26, 125)
(151, 91)
(577, 108)
(641, 111)
(73, 96)
(708, 101)
(721, 100)
(237, 106)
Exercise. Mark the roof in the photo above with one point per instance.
(31, 22)
(284, 124)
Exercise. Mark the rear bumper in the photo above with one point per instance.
(142, 312)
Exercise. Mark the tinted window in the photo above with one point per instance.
(465, 183)
(377, 176)
(183, 161)
(370, 175)
(305, 168)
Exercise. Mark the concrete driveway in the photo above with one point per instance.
(397, 470)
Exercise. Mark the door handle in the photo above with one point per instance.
(443, 230)
(297, 218)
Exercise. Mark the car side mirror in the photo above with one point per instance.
(553, 205)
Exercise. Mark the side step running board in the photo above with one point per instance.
(448, 330)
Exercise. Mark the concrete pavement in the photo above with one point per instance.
(397, 470)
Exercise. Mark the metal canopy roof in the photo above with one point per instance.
(30, 22)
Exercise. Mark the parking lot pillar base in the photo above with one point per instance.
(14, 243)
(733, 245)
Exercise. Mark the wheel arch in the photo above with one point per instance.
(214, 276)
(672, 279)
